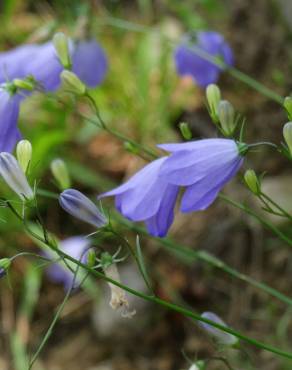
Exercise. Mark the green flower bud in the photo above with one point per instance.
(252, 182)
(26, 84)
(106, 260)
(23, 154)
(213, 96)
(91, 258)
(226, 115)
(60, 173)
(287, 133)
(61, 45)
(72, 83)
(288, 106)
(4, 266)
(185, 130)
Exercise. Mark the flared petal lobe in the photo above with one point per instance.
(204, 72)
(9, 112)
(89, 62)
(203, 167)
(147, 197)
(79, 206)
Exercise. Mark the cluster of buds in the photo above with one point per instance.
(13, 170)
(221, 111)
(70, 81)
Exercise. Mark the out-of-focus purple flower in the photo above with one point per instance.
(76, 247)
(79, 206)
(41, 61)
(9, 111)
(89, 62)
(14, 62)
(147, 197)
(188, 62)
(221, 336)
(203, 167)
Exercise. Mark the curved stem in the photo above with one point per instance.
(234, 72)
(284, 213)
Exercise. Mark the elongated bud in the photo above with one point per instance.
(4, 266)
(221, 336)
(14, 176)
(25, 84)
(79, 206)
(91, 258)
(61, 44)
(60, 173)
(252, 182)
(213, 95)
(185, 131)
(288, 106)
(23, 154)
(287, 133)
(72, 83)
(118, 295)
(226, 115)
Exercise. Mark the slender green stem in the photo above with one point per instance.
(268, 225)
(189, 255)
(234, 72)
(175, 307)
(276, 205)
(117, 134)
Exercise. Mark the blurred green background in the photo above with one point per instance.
(143, 98)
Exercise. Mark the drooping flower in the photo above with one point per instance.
(203, 167)
(59, 272)
(189, 62)
(79, 206)
(14, 176)
(221, 336)
(147, 197)
(9, 111)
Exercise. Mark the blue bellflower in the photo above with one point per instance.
(76, 247)
(81, 207)
(147, 197)
(189, 63)
(203, 167)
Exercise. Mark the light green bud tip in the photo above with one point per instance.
(5, 263)
(288, 106)
(198, 365)
(287, 133)
(24, 154)
(213, 96)
(91, 257)
(226, 115)
(252, 182)
(185, 130)
(26, 84)
(61, 45)
(72, 83)
(60, 173)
